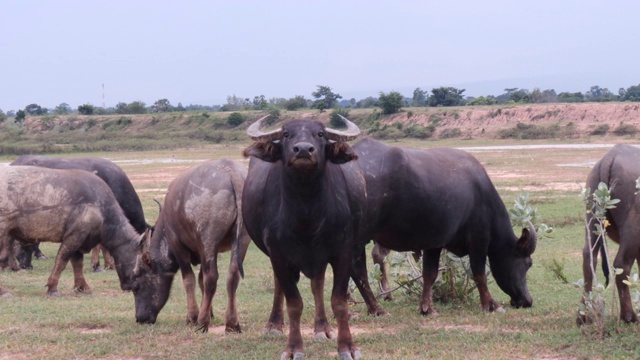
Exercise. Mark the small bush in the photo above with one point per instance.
(235, 119)
(600, 130)
(450, 133)
(625, 129)
(419, 132)
(335, 119)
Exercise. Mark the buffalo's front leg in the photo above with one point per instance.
(478, 264)
(346, 348)
(189, 282)
(62, 257)
(288, 278)
(80, 284)
(321, 326)
(430, 264)
(275, 324)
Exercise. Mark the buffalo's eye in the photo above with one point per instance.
(321, 134)
(285, 134)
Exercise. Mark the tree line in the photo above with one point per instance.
(324, 98)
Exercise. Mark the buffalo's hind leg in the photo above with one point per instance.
(361, 279)
(209, 276)
(624, 260)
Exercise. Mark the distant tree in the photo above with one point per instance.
(295, 103)
(352, 102)
(632, 93)
(419, 97)
(536, 96)
(325, 98)
(367, 102)
(121, 108)
(179, 107)
(483, 100)
(20, 116)
(11, 113)
(622, 92)
(236, 103)
(390, 103)
(550, 95)
(596, 93)
(35, 109)
(570, 97)
(62, 109)
(162, 105)
(137, 107)
(446, 96)
(3, 116)
(86, 109)
(520, 96)
(260, 102)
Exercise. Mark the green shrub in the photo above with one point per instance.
(419, 132)
(235, 119)
(335, 119)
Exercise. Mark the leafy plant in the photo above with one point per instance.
(592, 309)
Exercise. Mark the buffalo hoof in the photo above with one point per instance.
(430, 312)
(322, 336)
(583, 320)
(629, 318)
(54, 294)
(349, 356)
(287, 355)
(233, 328)
(499, 310)
(98, 269)
(42, 257)
(387, 297)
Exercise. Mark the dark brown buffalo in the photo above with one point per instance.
(618, 169)
(429, 200)
(201, 217)
(70, 207)
(303, 203)
(111, 174)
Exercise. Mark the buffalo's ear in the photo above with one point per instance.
(264, 150)
(340, 152)
(146, 258)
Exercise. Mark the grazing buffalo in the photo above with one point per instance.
(201, 217)
(111, 174)
(429, 200)
(619, 169)
(303, 203)
(70, 207)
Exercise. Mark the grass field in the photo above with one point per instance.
(102, 324)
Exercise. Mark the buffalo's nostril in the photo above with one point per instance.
(311, 149)
(296, 149)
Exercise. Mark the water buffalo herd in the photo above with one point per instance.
(307, 200)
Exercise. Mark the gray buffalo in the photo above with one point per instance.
(429, 200)
(111, 174)
(71, 207)
(201, 217)
(619, 169)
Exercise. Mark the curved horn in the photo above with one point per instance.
(255, 134)
(528, 239)
(351, 133)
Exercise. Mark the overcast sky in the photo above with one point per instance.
(198, 52)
